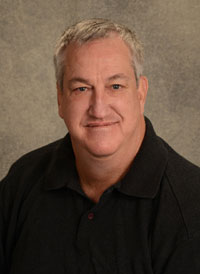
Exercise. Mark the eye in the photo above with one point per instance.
(116, 86)
(81, 89)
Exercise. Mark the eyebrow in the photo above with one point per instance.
(80, 80)
(118, 76)
(87, 82)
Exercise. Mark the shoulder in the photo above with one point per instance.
(35, 158)
(180, 170)
(184, 180)
(30, 167)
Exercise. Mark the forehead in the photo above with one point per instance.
(113, 44)
(101, 54)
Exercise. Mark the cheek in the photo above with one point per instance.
(73, 111)
(129, 105)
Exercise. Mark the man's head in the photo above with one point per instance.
(92, 29)
(101, 96)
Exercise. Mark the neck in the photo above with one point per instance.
(99, 173)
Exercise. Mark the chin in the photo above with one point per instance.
(102, 150)
(97, 147)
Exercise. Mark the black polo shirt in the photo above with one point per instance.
(147, 223)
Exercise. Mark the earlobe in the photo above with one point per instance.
(143, 88)
(142, 92)
(59, 100)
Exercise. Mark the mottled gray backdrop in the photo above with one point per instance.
(29, 29)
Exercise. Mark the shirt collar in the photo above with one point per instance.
(142, 179)
(146, 172)
(61, 171)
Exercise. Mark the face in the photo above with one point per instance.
(100, 103)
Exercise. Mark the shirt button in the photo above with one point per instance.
(90, 215)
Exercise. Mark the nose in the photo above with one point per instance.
(99, 105)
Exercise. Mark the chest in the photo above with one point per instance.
(66, 233)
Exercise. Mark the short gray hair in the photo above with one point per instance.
(92, 29)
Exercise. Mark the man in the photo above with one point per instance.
(111, 196)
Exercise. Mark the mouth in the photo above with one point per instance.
(100, 124)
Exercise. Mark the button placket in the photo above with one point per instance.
(90, 216)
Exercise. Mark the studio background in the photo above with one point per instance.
(170, 31)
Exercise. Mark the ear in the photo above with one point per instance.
(142, 91)
(59, 100)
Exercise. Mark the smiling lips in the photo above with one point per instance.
(100, 124)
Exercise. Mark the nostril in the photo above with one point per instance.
(98, 111)
(98, 108)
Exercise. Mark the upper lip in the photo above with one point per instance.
(100, 124)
